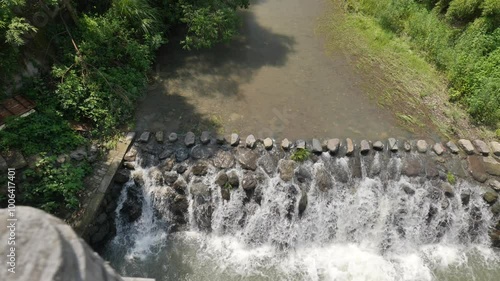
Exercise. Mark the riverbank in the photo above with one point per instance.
(401, 80)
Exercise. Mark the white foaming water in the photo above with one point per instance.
(365, 229)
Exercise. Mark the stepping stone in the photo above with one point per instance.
(407, 146)
(453, 147)
(250, 141)
(467, 146)
(350, 147)
(144, 137)
(190, 139)
(220, 139)
(301, 144)
(172, 137)
(333, 145)
(482, 147)
(285, 144)
(268, 143)
(495, 147)
(364, 147)
(422, 146)
(378, 145)
(205, 137)
(234, 139)
(159, 136)
(393, 144)
(316, 146)
(438, 148)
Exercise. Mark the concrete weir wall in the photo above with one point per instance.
(174, 155)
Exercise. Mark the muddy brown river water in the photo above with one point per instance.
(276, 79)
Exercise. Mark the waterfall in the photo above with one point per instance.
(381, 225)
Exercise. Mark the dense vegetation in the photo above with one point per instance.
(101, 52)
(461, 37)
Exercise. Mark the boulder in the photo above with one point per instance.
(495, 148)
(364, 147)
(438, 148)
(247, 158)
(491, 166)
(269, 163)
(122, 176)
(316, 146)
(323, 179)
(408, 190)
(129, 165)
(482, 147)
(234, 139)
(172, 137)
(286, 169)
(170, 177)
(180, 185)
(233, 179)
(250, 141)
(285, 144)
(303, 174)
(249, 182)
(200, 168)
(144, 137)
(490, 197)
(333, 146)
(393, 144)
(412, 167)
(378, 145)
(131, 154)
(300, 144)
(132, 207)
(181, 154)
(166, 153)
(223, 160)
(465, 198)
(221, 179)
(268, 143)
(205, 137)
(189, 139)
(453, 147)
(422, 146)
(159, 136)
(201, 152)
(466, 145)
(407, 146)
(494, 184)
(349, 147)
(447, 189)
(476, 168)
(220, 139)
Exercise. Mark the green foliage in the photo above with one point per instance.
(469, 55)
(17, 28)
(300, 155)
(228, 186)
(451, 178)
(53, 187)
(463, 10)
(39, 132)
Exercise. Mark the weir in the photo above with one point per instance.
(220, 209)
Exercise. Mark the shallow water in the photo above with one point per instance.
(274, 80)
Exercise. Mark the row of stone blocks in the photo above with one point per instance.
(333, 145)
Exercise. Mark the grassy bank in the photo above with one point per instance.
(401, 72)
(460, 38)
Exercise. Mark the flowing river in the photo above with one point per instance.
(274, 80)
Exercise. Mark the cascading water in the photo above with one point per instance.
(379, 226)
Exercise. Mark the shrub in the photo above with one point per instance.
(54, 187)
(300, 155)
(463, 10)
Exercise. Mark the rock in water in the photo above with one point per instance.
(190, 139)
(438, 148)
(393, 144)
(333, 145)
(223, 160)
(349, 147)
(268, 143)
(316, 146)
(453, 147)
(422, 146)
(482, 147)
(378, 145)
(247, 158)
(286, 169)
(250, 141)
(364, 147)
(301, 144)
(159, 136)
(234, 139)
(466, 146)
(144, 137)
(172, 137)
(205, 137)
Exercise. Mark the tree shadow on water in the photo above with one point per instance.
(217, 72)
